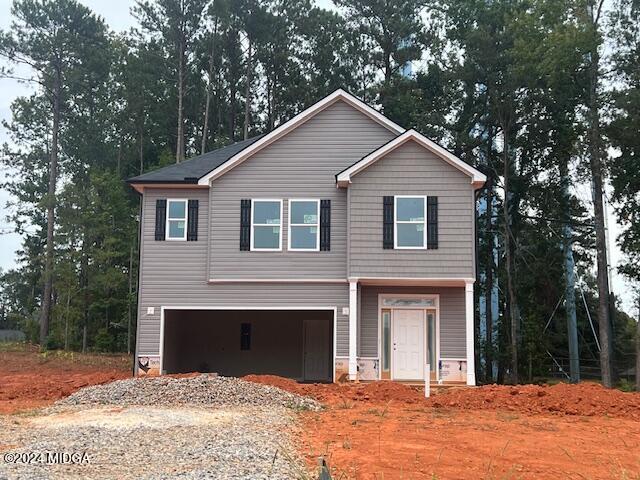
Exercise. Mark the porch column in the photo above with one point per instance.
(469, 310)
(353, 330)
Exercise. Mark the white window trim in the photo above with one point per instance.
(291, 224)
(253, 211)
(396, 221)
(168, 219)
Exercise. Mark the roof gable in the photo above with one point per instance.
(301, 118)
(477, 178)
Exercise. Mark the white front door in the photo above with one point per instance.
(408, 344)
(317, 351)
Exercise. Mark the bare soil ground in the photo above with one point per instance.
(389, 431)
(30, 379)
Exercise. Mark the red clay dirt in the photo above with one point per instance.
(383, 430)
(29, 379)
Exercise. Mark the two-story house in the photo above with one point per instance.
(338, 246)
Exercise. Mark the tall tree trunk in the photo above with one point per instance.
(232, 112)
(595, 160)
(181, 76)
(269, 106)
(509, 263)
(141, 150)
(569, 264)
(207, 102)
(45, 313)
(488, 348)
(84, 286)
(129, 301)
(638, 349)
(247, 94)
(66, 322)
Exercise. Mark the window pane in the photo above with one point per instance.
(410, 234)
(431, 328)
(266, 212)
(266, 237)
(408, 302)
(176, 228)
(304, 212)
(304, 237)
(386, 343)
(410, 209)
(177, 210)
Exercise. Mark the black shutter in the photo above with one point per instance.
(245, 224)
(387, 223)
(432, 223)
(325, 225)
(161, 218)
(192, 221)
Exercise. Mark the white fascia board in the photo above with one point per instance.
(477, 178)
(297, 121)
(414, 282)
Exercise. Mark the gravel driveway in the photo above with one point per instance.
(237, 438)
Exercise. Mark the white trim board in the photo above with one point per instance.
(163, 308)
(413, 282)
(295, 122)
(478, 179)
(277, 280)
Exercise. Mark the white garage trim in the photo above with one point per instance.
(164, 308)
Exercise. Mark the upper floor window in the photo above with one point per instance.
(304, 225)
(266, 225)
(410, 221)
(176, 219)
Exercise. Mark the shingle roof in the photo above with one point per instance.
(193, 169)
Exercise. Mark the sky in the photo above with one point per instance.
(117, 15)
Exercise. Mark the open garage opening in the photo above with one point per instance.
(297, 344)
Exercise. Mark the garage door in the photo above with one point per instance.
(296, 344)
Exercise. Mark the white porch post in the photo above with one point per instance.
(469, 310)
(353, 329)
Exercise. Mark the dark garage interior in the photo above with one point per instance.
(296, 344)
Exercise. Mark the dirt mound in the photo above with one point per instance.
(382, 391)
(588, 399)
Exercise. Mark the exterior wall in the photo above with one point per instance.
(302, 164)
(409, 170)
(175, 274)
(452, 318)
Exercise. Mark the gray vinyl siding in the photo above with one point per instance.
(412, 170)
(302, 164)
(452, 318)
(175, 274)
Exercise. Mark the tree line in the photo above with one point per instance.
(541, 95)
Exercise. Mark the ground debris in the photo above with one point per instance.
(189, 390)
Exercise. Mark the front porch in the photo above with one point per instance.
(407, 329)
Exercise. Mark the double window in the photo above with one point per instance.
(266, 225)
(304, 225)
(176, 219)
(410, 225)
